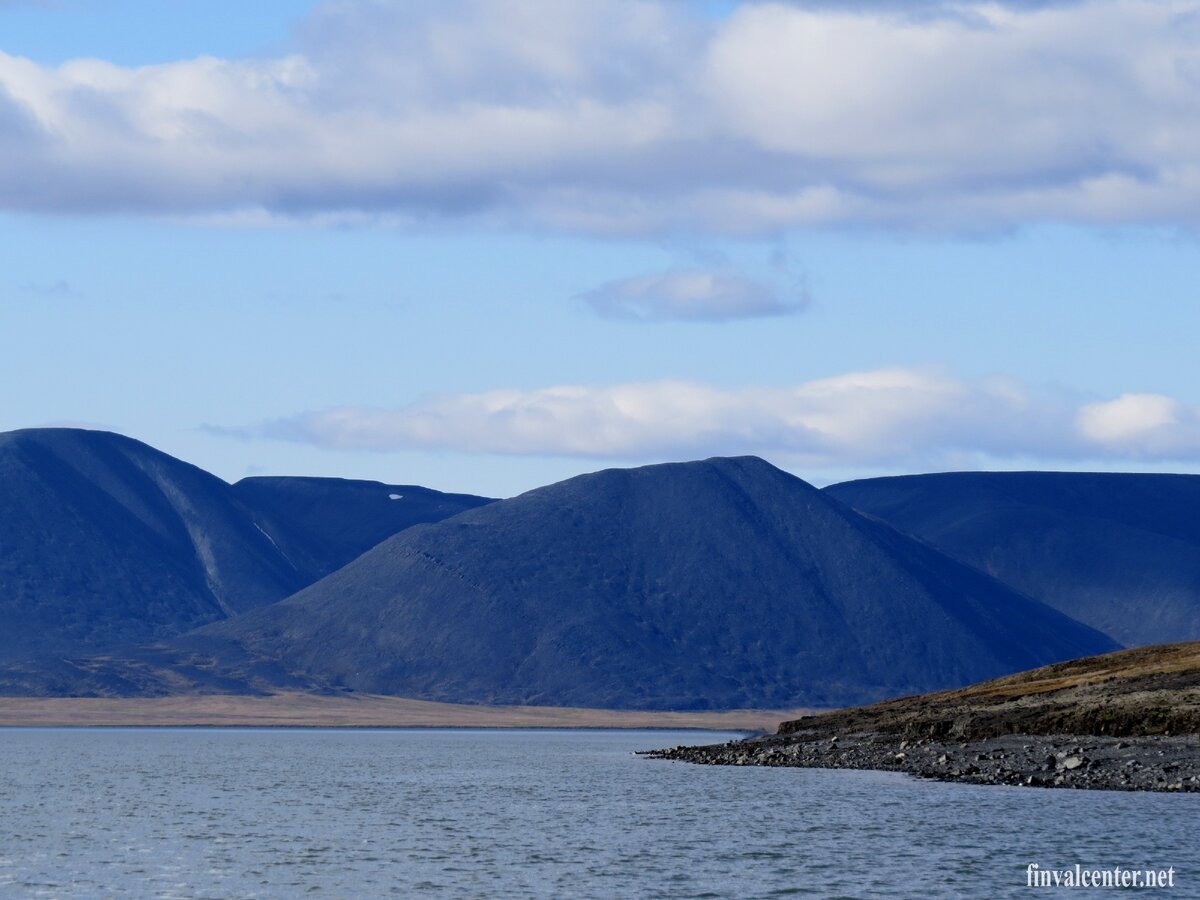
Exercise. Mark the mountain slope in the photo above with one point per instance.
(329, 521)
(721, 584)
(1119, 552)
(105, 541)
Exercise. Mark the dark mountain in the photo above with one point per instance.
(329, 521)
(105, 541)
(717, 584)
(1118, 552)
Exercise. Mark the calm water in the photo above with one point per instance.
(239, 813)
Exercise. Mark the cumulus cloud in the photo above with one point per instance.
(1129, 417)
(690, 295)
(638, 117)
(1143, 425)
(896, 416)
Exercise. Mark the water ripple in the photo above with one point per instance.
(264, 814)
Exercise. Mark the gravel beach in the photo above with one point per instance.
(1154, 763)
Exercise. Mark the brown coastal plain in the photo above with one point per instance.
(298, 710)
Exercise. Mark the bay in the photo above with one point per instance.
(364, 813)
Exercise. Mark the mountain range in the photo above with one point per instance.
(718, 584)
(705, 585)
(699, 585)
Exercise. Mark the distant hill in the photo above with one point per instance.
(717, 584)
(327, 522)
(106, 541)
(1118, 552)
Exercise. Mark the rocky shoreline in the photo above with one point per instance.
(1153, 763)
(1125, 721)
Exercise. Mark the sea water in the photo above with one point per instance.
(462, 813)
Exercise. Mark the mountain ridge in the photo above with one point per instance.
(107, 541)
(1118, 551)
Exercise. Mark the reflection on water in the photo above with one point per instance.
(273, 813)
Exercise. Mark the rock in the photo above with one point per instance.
(1147, 764)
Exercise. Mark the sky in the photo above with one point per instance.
(483, 245)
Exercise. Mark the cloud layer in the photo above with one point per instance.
(638, 117)
(913, 417)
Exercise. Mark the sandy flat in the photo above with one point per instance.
(356, 711)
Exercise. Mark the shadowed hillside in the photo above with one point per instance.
(1119, 552)
(105, 541)
(329, 521)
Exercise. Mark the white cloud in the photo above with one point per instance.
(1129, 417)
(639, 116)
(920, 418)
(1143, 425)
(710, 295)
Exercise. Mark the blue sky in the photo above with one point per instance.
(486, 245)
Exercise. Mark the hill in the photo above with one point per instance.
(717, 584)
(327, 522)
(1118, 552)
(106, 541)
